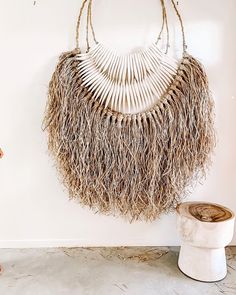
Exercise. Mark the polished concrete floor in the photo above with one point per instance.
(104, 271)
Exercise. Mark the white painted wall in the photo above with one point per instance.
(34, 210)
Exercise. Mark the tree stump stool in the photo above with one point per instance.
(205, 229)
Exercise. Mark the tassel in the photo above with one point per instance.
(134, 165)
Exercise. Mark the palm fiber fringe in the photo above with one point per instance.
(137, 165)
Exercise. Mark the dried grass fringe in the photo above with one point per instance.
(135, 165)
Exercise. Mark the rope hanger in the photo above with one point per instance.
(165, 25)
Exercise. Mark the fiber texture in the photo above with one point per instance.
(139, 165)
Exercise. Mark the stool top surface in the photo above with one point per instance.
(205, 212)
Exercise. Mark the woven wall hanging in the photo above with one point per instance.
(129, 132)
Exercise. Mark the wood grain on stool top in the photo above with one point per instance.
(205, 212)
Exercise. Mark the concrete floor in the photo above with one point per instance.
(104, 271)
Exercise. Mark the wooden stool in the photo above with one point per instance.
(205, 229)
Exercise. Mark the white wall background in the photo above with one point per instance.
(34, 210)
